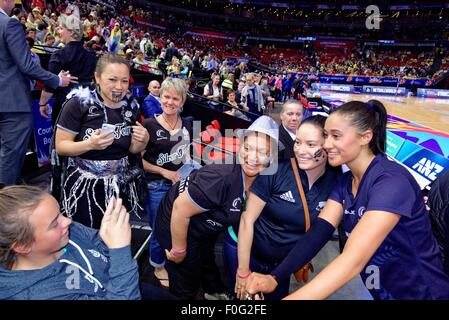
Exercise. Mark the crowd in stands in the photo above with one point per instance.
(117, 29)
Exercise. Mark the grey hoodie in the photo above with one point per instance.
(86, 270)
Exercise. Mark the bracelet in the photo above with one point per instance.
(43, 105)
(244, 276)
(177, 251)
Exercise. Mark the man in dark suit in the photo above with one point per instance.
(152, 103)
(291, 116)
(16, 69)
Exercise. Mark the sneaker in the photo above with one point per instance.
(219, 296)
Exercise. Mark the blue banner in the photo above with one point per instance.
(138, 90)
(333, 87)
(43, 132)
(400, 91)
(433, 93)
(425, 164)
(360, 80)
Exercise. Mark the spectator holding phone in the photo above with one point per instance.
(98, 166)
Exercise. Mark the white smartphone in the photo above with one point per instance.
(106, 127)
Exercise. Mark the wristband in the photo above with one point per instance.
(43, 105)
(177, 251)
(243, 276)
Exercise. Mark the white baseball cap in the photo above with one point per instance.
(266, 125)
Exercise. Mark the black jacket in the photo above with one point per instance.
(439, 212)
(288, 143)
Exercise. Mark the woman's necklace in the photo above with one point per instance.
(173, 128)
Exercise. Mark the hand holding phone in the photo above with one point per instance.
(106, 127)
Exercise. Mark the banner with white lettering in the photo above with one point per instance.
(43, 132)
(400, 91)
(424, 164)
(433, 93)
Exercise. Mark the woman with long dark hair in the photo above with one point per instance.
(389, 236)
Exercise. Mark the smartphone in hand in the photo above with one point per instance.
(106, 127)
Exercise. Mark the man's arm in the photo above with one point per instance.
(15, 42)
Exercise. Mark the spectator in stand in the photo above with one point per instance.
(214, 93)
(115, 39)
(238, 93)
(171, 52)
(23, 22)
(278, 88)
(152, 104)
(287, 87)
(79, 61)
(49, 41)
(140, 59)
(16, 13)
(291, 116)
(227, 84)
(173, 69)
(234, 108)
(252, 98)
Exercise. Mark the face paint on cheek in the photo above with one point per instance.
(319, 154)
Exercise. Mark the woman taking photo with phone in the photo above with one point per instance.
(98, 130)
(389, 236)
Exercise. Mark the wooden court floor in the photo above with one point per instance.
(432, 113)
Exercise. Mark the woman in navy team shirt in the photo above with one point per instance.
(390, 241)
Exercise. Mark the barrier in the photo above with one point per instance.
(433, 93)
(399, 91)
(43, 132)
(333, 87)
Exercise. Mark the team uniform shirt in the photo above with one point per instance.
(82, 119)
(217, 189)
(282, 221)
(166, 151)
(407, 265)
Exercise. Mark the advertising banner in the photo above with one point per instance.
(43, 132)
(400, 91)
(433, 93)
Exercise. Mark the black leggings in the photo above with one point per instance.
(198, 268)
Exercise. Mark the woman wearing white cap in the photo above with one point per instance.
(197, 209)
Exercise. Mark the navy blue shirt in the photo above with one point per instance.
(282, 221)
(407, 265)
